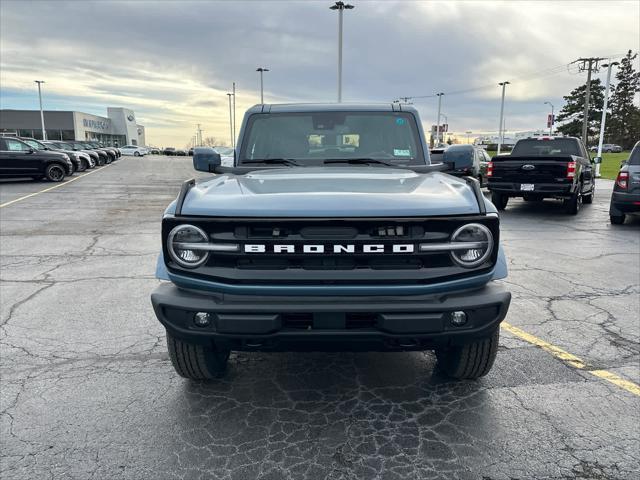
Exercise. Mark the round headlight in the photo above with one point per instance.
(479, 240)
(182, 244)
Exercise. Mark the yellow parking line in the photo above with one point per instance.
(572, 359)
(6, 204)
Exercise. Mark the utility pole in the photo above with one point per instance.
(340, 7)
(230, 121)
(44, 132)
(501, 128)
(439, 95)
(234, 113)
(261, 70)
(468, 132)
(550, 122)
(590, 65)
(604, 114)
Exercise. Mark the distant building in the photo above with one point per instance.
(118, 127)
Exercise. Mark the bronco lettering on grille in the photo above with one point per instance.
(331, 248)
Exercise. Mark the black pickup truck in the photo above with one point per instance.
(543, 167)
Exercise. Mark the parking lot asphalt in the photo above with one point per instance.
(88, 392)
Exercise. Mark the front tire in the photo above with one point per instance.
(55, 172)
(470, 361)
(617, 219)
(136, 154)
(500, 200)
(196, 362)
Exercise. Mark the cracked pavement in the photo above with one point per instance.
(88, 392)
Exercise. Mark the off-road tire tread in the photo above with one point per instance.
(194, 361)
(470, 361)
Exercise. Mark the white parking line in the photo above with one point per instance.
(98, 169)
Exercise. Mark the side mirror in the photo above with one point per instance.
(597, 160)
(30, 150)
(206, 159)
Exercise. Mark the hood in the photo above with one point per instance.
(331, 192)
(53, 153)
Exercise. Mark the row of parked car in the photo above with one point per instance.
(547, 167)
(51, 160)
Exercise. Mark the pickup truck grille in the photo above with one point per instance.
(363, 251)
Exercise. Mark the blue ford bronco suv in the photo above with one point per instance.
(332, 230)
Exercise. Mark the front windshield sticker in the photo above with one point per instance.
(401, 153)
(400, 121)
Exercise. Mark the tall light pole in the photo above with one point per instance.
(500, 128)
(444, 130)
(44, 132)
(468, 132)
(261, 70)
(340, 7)
(234, 114)
(552, 119)
(231, 120)
(604, 113)
(439, 95)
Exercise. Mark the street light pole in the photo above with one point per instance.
(439, 95)
(552, 118)
(44, 132)
(340, 7)
(468, 132)
(500, 128)
(230, 121)
(604, 114)
(444, 130)
(261, 70)
(234, 114)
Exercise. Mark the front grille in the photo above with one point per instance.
(331, 266)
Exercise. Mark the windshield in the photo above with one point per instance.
(634, 158)
(555, 146)
(34, 144)
(310, 138)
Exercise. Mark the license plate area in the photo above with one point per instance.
(526, 187)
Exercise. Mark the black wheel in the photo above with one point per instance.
(499, 200)
(55, 172)
(196, 362)
(136, 154)
(617, 219)
(470, 361)
(572, 205)
(83, 165)
(588, 198)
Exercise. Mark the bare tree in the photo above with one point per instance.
(214, 142)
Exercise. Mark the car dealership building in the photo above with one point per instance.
(119, 127)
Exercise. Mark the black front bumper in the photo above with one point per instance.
(418, 322)
(623, 202)
(562, 190)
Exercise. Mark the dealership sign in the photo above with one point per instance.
(95, 124)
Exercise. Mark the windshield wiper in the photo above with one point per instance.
(359, 161)
(281, 161)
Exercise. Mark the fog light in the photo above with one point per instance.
(458, 318)
(202, 319)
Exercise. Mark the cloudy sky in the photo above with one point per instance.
(174, 61)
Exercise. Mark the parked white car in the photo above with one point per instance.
(134, 150)
(226, 155)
